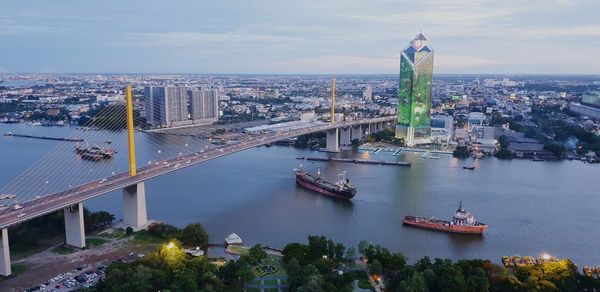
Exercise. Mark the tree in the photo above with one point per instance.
(163, 230)
(256, 254)
(295, 274)
(461, 152)
(362, 246)
(375, 267)
(194, 235)
(129, 230)
(557, 149)
(416, 283)
(349, 257)
(296, 251)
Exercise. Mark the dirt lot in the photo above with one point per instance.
(47, 264)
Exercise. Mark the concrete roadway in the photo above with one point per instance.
(50, 203)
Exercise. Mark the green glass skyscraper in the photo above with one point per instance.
(414, 93)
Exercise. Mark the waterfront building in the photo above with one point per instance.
(168, 106)
(591, 99)
(154, 96)
(442, 128)
(176, 105)
(414, 94)
(233, 239)
(586, 110)
(204, 106)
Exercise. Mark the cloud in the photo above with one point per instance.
(335, 64)
(462, 61)
(195, 39)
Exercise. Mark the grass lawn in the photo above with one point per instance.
(64, 249)
(16, 270)
(116, 233)
(94, 241)
(143, 237)
(242, 250)
(270, 282)
(20, 251)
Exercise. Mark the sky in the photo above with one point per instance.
(297, 37)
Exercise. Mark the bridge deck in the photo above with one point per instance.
(50, 203)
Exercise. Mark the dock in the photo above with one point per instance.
(9, 134)
(356, 161)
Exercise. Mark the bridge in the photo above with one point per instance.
(131, 182)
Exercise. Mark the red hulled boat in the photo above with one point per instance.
(463, 222)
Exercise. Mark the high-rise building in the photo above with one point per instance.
(368, 93)
(204, 105)
(176, 101)
(414, 94)
(179, 105)
(155, 98)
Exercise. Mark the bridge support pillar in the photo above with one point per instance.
(4, 254)
(356, 133)
(74, 227)
(134, 206)
(332, 141)
(345, 139)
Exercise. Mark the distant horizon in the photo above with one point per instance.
(295, 74)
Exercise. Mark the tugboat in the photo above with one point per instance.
(341, 189)
(463, 222)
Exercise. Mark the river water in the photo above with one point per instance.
(531, 207)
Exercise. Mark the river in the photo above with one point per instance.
(531, 207)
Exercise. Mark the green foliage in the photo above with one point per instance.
(504, 152)
(312, 267)
(170, 269)
(313, 140)
(375, 267)
(129, 231)
(163, 230)
(461, 152)
(256, 254)
(557, 149)
(296, 251)
(30, 234)
(387, 135)
(416, 283)
(97, 220)
(194, 235)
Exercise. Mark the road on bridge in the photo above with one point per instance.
(50, 203)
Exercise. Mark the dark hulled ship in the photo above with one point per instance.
(340, 189)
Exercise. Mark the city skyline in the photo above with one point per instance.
(303, 38)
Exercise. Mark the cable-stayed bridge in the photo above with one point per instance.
(58, 181)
